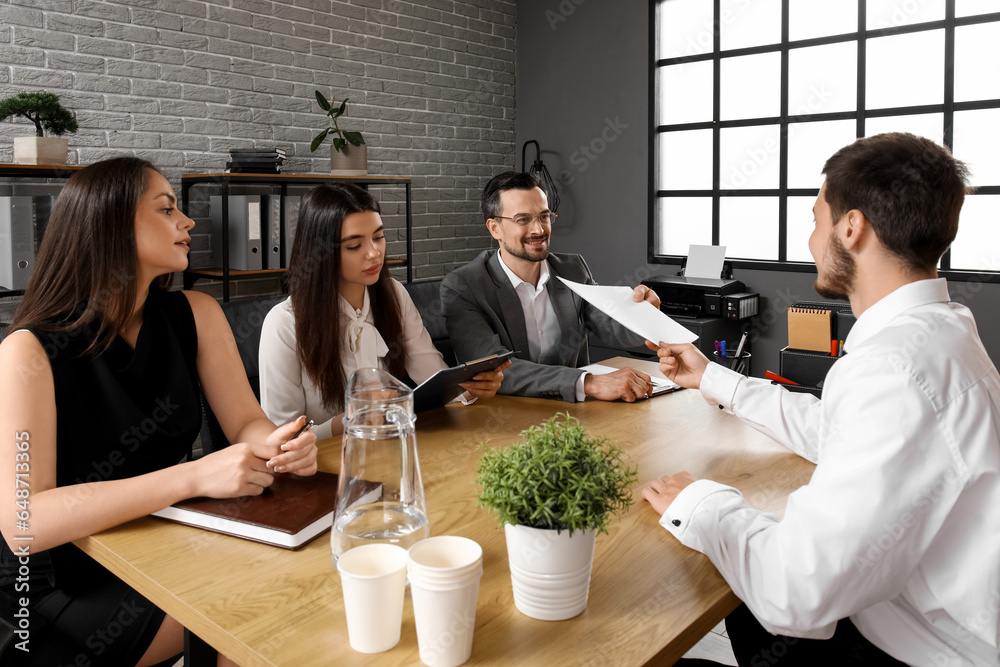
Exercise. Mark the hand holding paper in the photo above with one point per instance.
(643, 318)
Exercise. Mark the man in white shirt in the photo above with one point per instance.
(510, 299)
(891, 553)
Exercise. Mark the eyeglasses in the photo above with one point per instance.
(544, 219)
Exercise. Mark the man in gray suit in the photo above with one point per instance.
(510, 299)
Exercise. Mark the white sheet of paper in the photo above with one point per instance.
(601, 369)
(705, 261)
(642, 318)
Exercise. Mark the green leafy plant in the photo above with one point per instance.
(341, 137)
(42, 109)
(556, 477)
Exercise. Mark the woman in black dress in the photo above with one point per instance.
(102, 378)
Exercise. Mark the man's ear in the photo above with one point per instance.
(853, 229)
(491, 225)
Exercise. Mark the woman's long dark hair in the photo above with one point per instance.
(85, 273)
(314, 287)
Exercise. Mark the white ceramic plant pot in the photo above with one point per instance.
(41, 150)
(349, 160)
(549, 571)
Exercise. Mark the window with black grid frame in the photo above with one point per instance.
(749, 98)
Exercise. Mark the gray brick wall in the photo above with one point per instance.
(431, 86)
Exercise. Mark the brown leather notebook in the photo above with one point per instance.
(290, 513)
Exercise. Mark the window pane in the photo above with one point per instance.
(799, 223)
(685, 160)
(977, 62)
(681, 221)
(823, 79)
(921, 81)
(685, 28)
(808, 18)
(972, 7)
(977, 246)
(748, 157)
(977, 143)
(893, 13)
(929, 125)
(750, 86)
(685, 93)
(809, 147)
(745, 23)
(748, 227)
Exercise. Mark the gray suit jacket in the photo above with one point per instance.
(484, 316)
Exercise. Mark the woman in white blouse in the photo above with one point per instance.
(344, 312)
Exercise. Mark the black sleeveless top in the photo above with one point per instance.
(120, 414)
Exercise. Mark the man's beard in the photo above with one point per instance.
(837, 282)
(523, 253)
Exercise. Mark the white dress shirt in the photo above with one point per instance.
(540, 320)
(899, 527)
(287, 391)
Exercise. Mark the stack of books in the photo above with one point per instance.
(255, 160)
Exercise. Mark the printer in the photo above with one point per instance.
(693, 297)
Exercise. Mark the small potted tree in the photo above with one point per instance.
(348, 152)
(42, 109)
(552, 492)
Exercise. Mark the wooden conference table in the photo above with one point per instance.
(651, 599)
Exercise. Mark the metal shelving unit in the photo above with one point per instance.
(225, 181)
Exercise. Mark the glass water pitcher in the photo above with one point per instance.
(380, 495)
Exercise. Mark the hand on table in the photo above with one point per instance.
(661, 492)
(238, 470)
(487, 384)
(682, 363)
(627, 384)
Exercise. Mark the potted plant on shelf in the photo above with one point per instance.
(48, 115)
(552, 492)
(348, 153)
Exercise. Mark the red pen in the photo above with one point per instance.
(834, 347)
(777, 378)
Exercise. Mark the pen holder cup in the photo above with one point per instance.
(741, 365)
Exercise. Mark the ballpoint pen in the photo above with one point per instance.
(739, 349)
(309, 424)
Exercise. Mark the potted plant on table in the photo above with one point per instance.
(553, 491)
(45, 111)
(348, 152)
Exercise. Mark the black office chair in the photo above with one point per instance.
(426, 297)
(245, 319)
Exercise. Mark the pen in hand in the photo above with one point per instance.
(309, 424)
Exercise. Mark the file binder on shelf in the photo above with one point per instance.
(17, 241)
(245, 253)
(292, 203)
(272, 259)
(43, 210)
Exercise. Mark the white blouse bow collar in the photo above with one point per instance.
(363, 339)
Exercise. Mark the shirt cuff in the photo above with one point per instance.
(581, 395)
(679, 515)
(466, 401)
(718, 385)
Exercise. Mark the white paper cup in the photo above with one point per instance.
(373, 577)
(444, 575)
